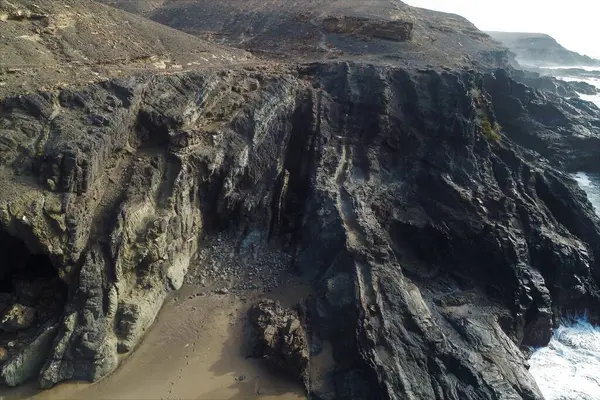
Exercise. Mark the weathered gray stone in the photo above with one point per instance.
(277, 335)
(17, 317)
(26, 363)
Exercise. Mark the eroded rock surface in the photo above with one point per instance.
(400, 31)
(54, 44)
(428, 206)
(435, 249)
(277, 335)
(17, 317)
(323, 29)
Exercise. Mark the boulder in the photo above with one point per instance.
(24, 363)
(3, 354)
(18, 317)
(277, 335)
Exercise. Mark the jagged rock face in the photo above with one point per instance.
(436, 248)
(435, 209)
(563, 130)
(399, 31)
(277, 335)
(549, 83)
(584, 88)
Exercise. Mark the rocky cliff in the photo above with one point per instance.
(538, 49)
(429, 209)
(435, 247)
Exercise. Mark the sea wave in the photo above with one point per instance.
(569, 367)
(566, 67)
(593, 98)
(592, 81)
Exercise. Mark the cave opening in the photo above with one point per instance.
(31, 292)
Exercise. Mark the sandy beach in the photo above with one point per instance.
(194, 350)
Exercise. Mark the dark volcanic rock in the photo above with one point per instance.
(564, 130)
(552, 84)
(584, 88)
(311, 30)
(428, 209)
(544, 83)
(400, 31)
(277, 335)
(431, 211)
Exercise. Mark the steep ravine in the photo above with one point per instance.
(436, 248)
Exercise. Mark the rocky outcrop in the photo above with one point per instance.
(563, 130)
(584, 88)
(553, 85)
(26, 361)
(400, 31)
(277, 335)
(545, 83)
(435, 249)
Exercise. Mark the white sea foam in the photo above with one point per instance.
(593, 98)
(569, 367)
(590, 183)
(583, 179)
(583, 67)
(592, 81)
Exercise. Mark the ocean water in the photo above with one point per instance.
(592, 81)
(590, 183)
(569, 367)
(593, 98)
(583, 67)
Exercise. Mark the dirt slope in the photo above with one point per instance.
(339, 29)
(57, 43)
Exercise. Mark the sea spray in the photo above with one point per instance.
(569, 367)
(569, 76)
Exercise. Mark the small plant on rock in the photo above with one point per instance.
(491, 132)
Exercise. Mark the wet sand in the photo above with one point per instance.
(193, 351)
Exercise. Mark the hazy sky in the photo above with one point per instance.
(574, 23)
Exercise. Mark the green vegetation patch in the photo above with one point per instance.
(491, 132)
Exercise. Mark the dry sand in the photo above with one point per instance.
(193, 351)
